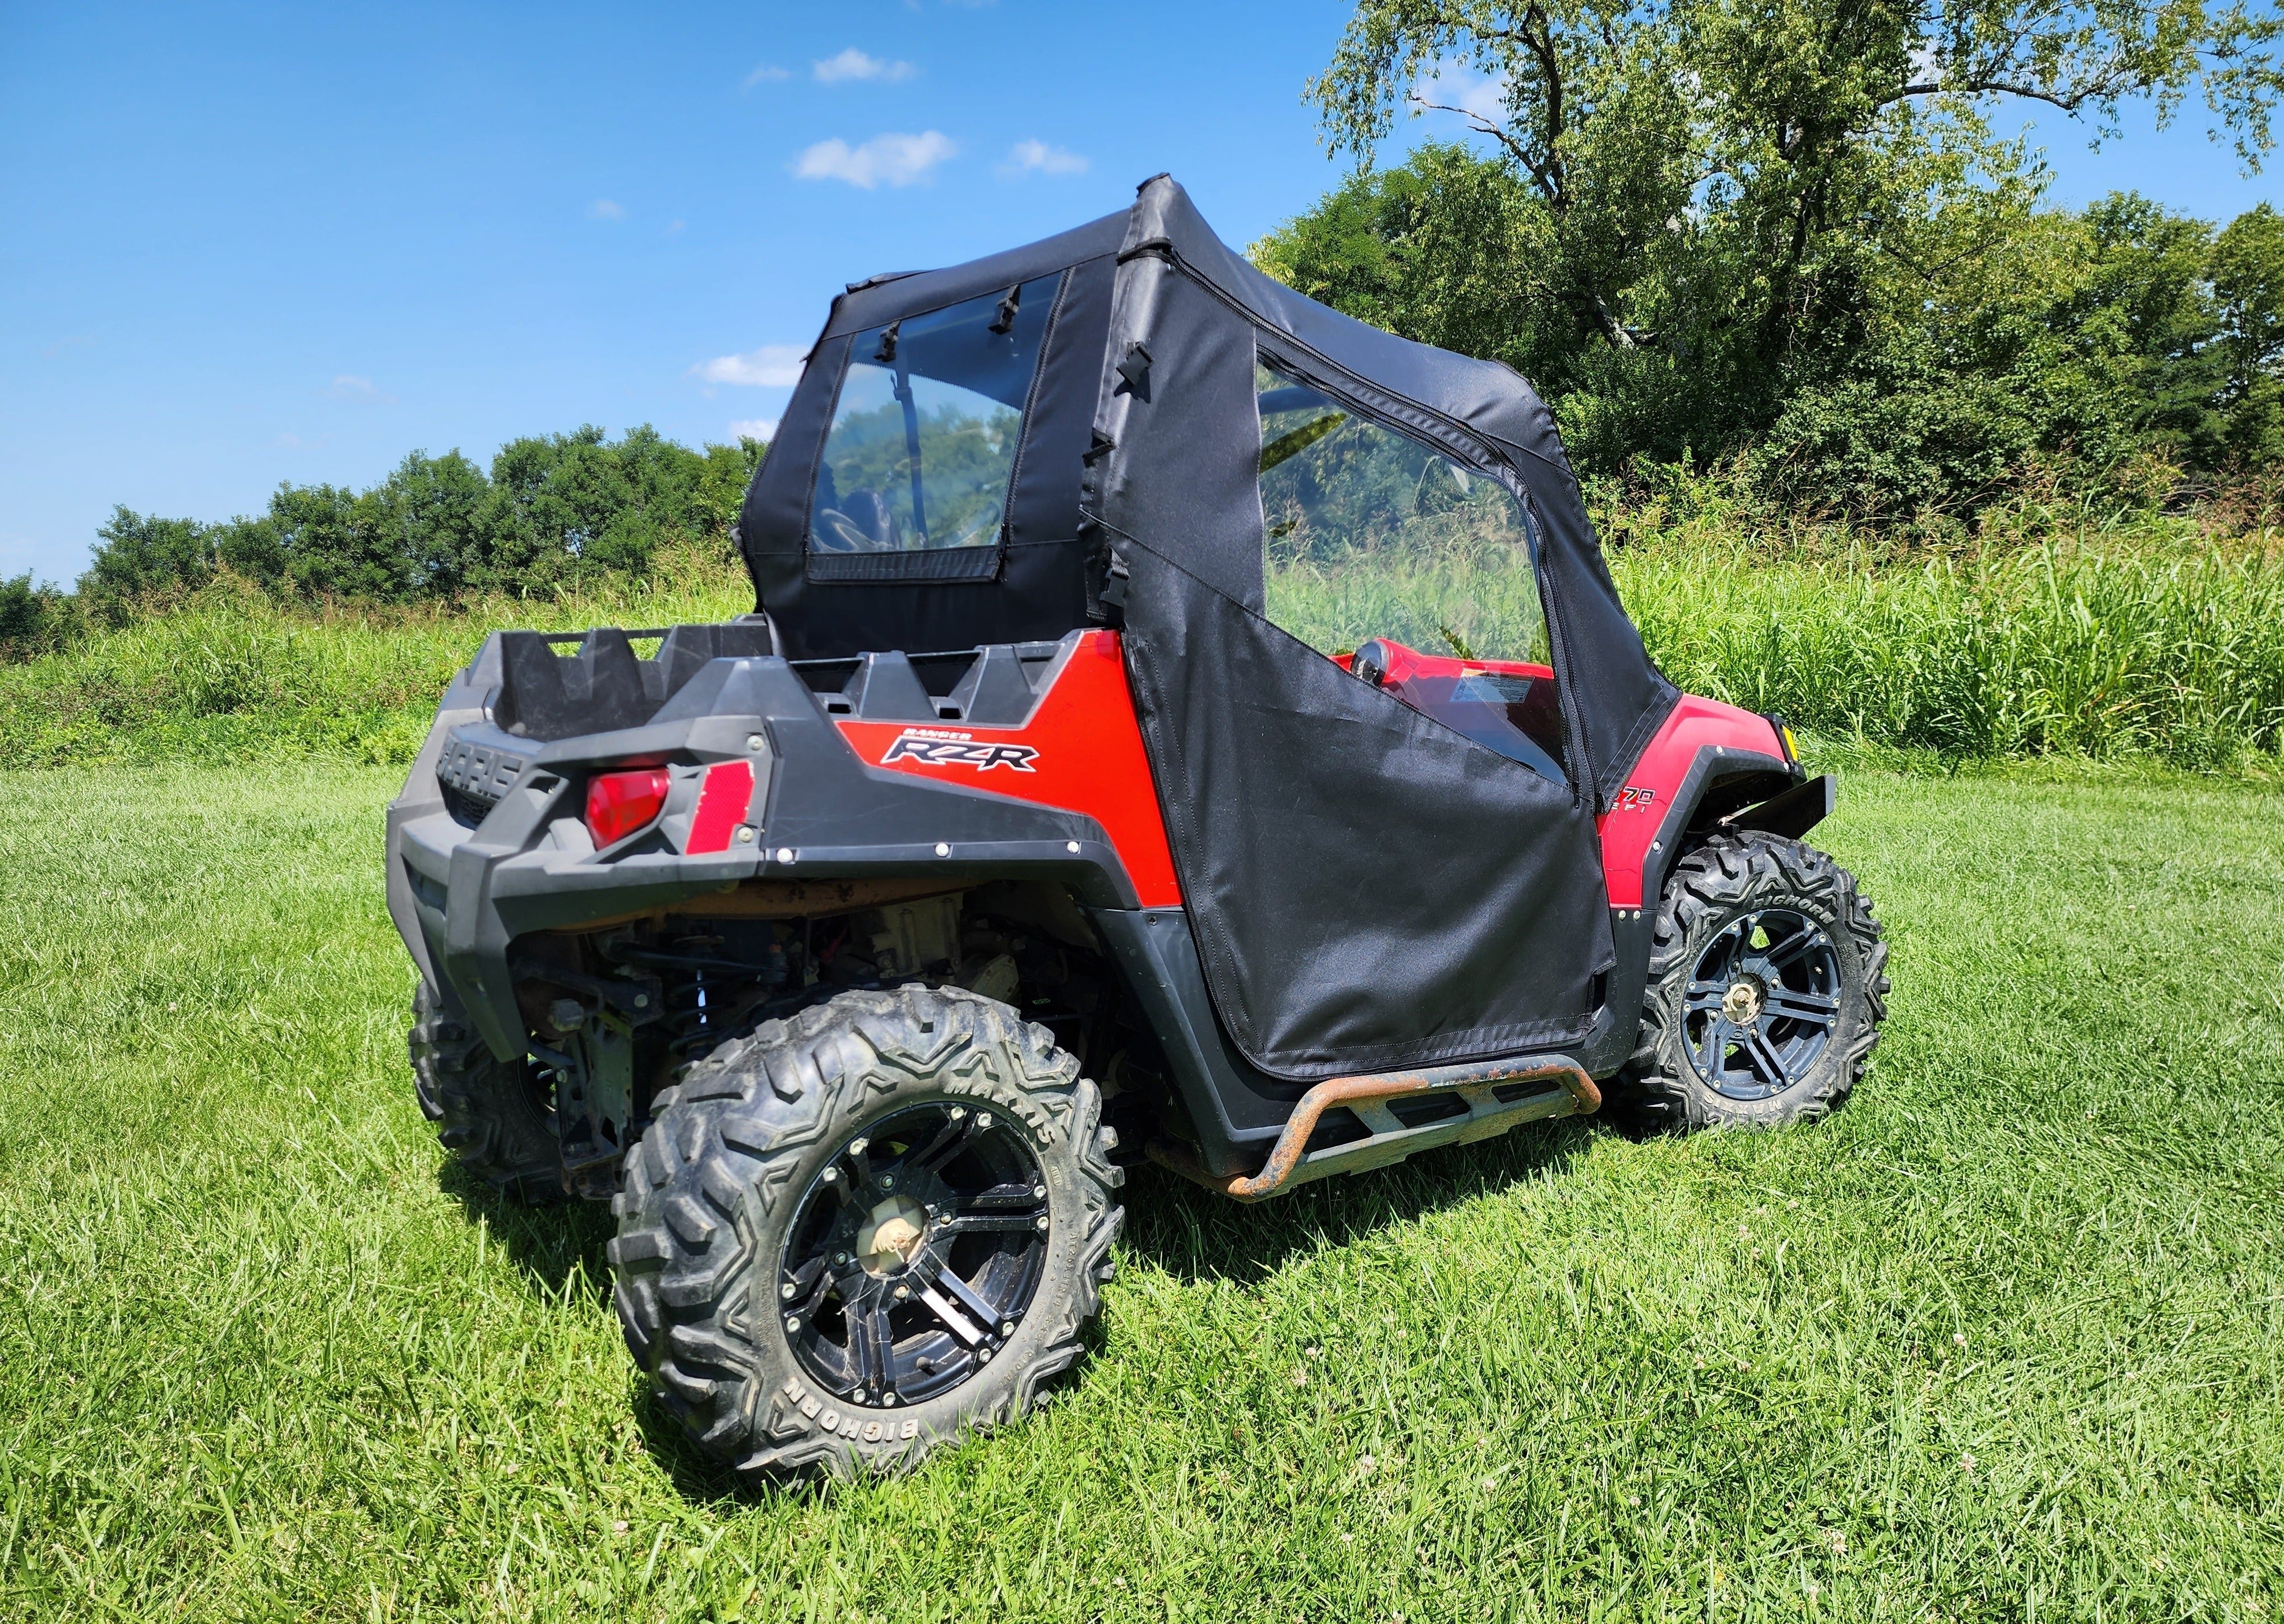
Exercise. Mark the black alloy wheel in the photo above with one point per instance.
(1762, 1003)
(915, 1253)
(858, 1233)
(1767, 986)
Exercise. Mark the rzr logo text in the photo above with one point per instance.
(932, 748)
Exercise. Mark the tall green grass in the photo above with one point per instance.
(2057, 649)
(2147, 640)
(231, 675)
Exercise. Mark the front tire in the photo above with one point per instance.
(1767, 986)
(786, 1322)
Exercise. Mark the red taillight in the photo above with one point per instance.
(618, 803)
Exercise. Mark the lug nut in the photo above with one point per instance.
(1039, 1191)
(1007, 1328)
(788, 1290)
(983, 1356)
(839, 1260)
(982, 1120)
(1043, 1222)
(829, 1176)
(793, 1322)
(903, 1292)
(958, 1113)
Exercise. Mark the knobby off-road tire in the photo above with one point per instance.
(720, 1198)
(489, 1112)
(1715, 903)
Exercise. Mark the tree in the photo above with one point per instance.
(138, 556)
(1729, 200)
(33, 621)
(2248, 280)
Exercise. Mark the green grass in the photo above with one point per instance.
(2004, 1339)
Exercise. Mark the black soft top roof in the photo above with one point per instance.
(877, 300)
(1489, 396)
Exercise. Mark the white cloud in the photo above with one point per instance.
(775, 366)
(753, 428)
(763, 74)
(854, 64)
(1454, 85)
(1026, 156)
(350, 386)
(896, 160)
(602, 209)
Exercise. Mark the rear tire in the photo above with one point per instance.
(744, 1297)
(492, 1114)
(1767, 986)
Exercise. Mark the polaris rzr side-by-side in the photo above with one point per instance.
(1177, 720)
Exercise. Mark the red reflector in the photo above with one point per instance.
(618, 803)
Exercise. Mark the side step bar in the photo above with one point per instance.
(1495, 1095)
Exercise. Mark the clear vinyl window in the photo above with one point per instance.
(922, 445)
(1412, 569)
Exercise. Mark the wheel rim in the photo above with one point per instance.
(1762, 1003)
(914, 1255)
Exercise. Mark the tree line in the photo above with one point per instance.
(552, 512)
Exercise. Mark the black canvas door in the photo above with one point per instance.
(1380, 873)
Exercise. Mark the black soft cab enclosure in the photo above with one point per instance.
(1176, 435)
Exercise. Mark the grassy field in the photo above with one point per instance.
(2004, 1339)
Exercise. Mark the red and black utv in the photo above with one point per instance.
(1177, 720)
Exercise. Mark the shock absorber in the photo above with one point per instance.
(706, 991)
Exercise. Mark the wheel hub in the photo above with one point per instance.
(1762, 1003)
(914, 1255)
(889, 1236)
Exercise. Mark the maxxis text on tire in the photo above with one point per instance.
(719, 1187)
(1732, 907)
(489, 1113)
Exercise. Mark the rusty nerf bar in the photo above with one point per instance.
(1491, 1097)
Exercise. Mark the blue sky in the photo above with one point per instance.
(241, 245)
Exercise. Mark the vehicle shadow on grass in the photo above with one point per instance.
(558, 1247)
(1194, 1234)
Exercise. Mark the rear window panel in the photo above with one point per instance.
(922, 448)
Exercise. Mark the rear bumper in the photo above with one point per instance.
(461, 897)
